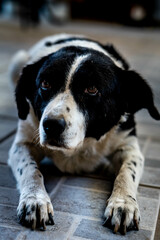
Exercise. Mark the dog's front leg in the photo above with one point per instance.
(35, 208)
(122, 211)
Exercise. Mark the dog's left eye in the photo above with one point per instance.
(91, 90)
(45, 85)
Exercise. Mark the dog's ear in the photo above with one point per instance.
(137, 94)
(115, 54)
(26, 86)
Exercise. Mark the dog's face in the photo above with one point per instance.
(78, 93)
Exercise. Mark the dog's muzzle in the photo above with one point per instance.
(53, 129)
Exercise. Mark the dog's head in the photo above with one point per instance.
(77, 93)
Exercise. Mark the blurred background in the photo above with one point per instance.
(127, 12)
(133, 27)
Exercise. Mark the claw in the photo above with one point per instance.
(51, 219)
(136, 224)
(43, 226)
(33, 224)
(124, 230)
(116, 228)
(21, 216)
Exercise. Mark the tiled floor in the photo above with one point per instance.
(79, 201)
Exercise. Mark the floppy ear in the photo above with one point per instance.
(115, 54)
(137, 94)
(26, 87)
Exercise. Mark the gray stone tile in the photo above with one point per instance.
(80, 201)
(8, 233)
(94, 230)
(151, 177)
(9, 196)
(148, 130)
(154, 163)
(8, 216)
(6, 127)
(149, 192)
(6, 177)
(153, 150)
(4, 148)
(157, 230)
(98, 184)
(148, 209)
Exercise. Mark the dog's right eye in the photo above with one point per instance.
(45, 85)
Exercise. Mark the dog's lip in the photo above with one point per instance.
(55, 143)
(52, 144)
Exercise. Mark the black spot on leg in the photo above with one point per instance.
(21, 171)
(18, 170)
(36, 167)
(23, 160)
(132, 198)
(40, 175)
(48, 44)
(133, 176)
(68, 109)
(132, 170)
(26, 165)
(129, 164)
(140, 159)
(32, 163)
(15, 151)
(134, 163)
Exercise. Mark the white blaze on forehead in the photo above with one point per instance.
(74, 67)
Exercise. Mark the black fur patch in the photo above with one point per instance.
(102, 111)
(132, 198)
(21, 171)
(134, 163)
(133, 176)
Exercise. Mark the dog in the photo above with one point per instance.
(76, 101)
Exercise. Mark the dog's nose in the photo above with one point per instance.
(54, 127)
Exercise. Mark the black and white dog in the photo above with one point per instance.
(76, 101)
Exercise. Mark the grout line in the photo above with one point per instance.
(9, 188)
(8, 117)
(73, 227)
(6, 225)
(157, 228)
(149, 186)
(80, 216)
(22, 235)
(79, 238)
(55, 189)
(8, 135)
(84, 188)
(8, 205)
(3, 163)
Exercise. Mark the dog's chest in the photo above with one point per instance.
(90, 156)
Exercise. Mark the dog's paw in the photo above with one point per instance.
(35, 211)
(122, 214)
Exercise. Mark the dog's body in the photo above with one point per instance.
(76, 100)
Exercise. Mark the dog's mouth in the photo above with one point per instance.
(55, 143)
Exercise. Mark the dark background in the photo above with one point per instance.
(126, 12)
